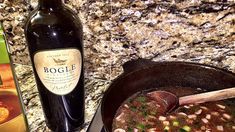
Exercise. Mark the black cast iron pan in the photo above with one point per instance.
(144, 75)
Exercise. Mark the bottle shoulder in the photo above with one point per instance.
(58, 29)
(58, 17)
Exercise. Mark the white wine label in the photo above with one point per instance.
(59, 70)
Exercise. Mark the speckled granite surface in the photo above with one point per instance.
(121, 30)
(182, 30)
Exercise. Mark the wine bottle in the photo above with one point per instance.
(55, 40)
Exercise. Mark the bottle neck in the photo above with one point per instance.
(50, 4)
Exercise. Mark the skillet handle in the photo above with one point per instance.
(134, 65)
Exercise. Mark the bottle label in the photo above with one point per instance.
(59, 70)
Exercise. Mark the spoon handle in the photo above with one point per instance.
(208, 96)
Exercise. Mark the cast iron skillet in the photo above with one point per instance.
(144, 74)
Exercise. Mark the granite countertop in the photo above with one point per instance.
(121, 30)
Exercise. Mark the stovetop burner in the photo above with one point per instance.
(96, 124)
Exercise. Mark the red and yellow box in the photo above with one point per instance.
(12, 117)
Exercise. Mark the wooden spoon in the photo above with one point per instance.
(171, 101)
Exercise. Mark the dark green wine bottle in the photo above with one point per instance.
(55, 40)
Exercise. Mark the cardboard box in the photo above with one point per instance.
(12, 117)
